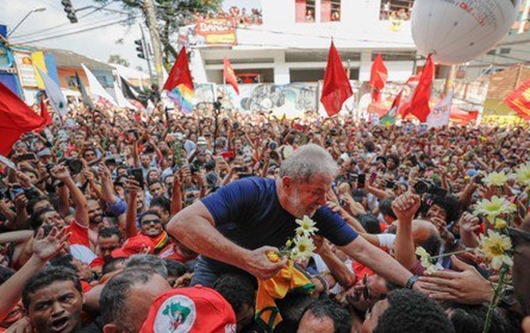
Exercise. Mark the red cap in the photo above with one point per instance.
(134, 245)
(190, 310)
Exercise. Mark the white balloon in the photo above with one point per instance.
(457, 31)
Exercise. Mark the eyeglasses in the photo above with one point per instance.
(155, 221)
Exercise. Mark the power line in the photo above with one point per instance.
(45, 30)
(76, 32)
(71, 29)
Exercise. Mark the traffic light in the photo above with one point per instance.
(70, 10)
(140, 48)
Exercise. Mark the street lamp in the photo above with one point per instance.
(25, 17)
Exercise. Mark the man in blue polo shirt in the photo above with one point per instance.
(235, 227)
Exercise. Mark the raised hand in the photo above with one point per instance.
(47, 247)
(469, 223)
(103, 171)
(405, 206)
(132, 186)
(23, 179)
(60, 172)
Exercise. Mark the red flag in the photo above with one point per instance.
(336, 88)
(419, 105)
(229, 75)
(16, 118)
(378, 77)
(519, 100)
(180, 73)
(44, 113)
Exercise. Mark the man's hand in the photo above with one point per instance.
(21, 201)
(104, 172)
(60, 172)
(23, 179)
(356, 208)
(405, 206)
(469, 223)
(322, 245)
(47, 247)
(258, 264)
(466, 286)
(439, 223)
(132, 187)
(20, 326)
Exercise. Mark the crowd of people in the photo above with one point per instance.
(113, 220)
(242, 16)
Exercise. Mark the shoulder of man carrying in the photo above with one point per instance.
(195, 310)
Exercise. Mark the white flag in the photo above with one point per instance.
(54, 94)
(96, 88)
(122, 101)
(440, 114)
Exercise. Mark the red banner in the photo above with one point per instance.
(519, 100)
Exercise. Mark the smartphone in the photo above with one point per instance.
(137, 174)
(25, 157)
(373, 177)
(361, 179)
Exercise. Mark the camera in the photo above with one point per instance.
(74, 165)
(390, 184)
(427, 186)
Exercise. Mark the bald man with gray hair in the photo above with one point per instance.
(234, 228)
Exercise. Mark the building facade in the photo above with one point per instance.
(291, 41)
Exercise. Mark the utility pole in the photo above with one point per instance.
(152, 25)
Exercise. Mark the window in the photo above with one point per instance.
(505, 50)
(71, 81)
(392, 10)
(329, 10)
(305, 11)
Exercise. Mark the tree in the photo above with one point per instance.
(171, 14)
(117, 59)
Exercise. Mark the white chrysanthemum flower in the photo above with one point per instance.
(494, 207)
(496, 179)
(522, 175)
(303, 248)
(494, 247)
(306, 227)
(426, 260)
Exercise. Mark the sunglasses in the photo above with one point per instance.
(155, 221)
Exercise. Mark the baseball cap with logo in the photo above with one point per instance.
(135, 245)
(190, 310)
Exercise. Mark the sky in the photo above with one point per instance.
(98, 44)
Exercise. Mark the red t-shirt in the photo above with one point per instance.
(78, 234)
